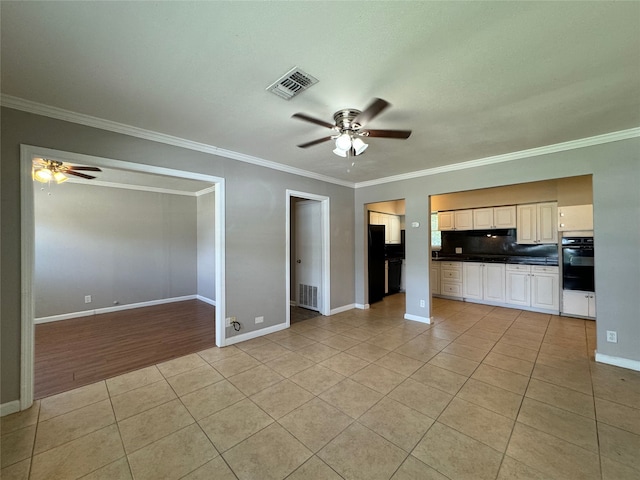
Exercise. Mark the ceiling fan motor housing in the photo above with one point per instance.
(344, 119)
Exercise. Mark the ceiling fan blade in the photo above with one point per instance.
(82, 175)
(389, 133)
(372, 111)
(89, 169)
(314, 142)
(307, 118)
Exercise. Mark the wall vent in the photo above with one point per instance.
(308, 296)
(292, 83)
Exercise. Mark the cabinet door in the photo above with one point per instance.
(592, 305)
(394, 229)
(527, 231)
(384, 220)
(518, 291)
(463, 220)
(482, 218)
(504, 217)
(547, 224)
(544, 291)
(434, 275)
(446, 221)
(575, 302)
(472, 280)
(493, 276)
(575, 217)
(374, 218)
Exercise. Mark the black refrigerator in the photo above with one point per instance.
(376, 263)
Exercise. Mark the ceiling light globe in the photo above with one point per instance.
(340, 153)
(359, 146)
(60, 177)
(43, 175)
(343, 142)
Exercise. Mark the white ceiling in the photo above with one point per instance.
(471, 79)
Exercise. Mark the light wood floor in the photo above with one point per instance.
(72, 353)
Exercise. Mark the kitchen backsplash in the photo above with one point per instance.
(492, 242)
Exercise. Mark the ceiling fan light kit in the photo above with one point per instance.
(349, 124)
(45, 170)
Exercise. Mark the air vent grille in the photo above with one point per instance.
(308, 296)
(292, 83)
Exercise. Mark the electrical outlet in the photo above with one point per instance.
(458, 249)
(87, 299)
(612, 336)
(422, 303)
(229, 321)
(259, 319)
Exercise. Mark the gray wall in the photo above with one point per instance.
(119, 246)
(255, 223)
(616, 198)
(206, 246)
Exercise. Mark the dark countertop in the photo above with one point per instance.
(510, 259)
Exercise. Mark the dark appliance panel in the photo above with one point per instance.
(376, 263)
(577, 264)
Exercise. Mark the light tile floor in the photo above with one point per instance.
(482, 393)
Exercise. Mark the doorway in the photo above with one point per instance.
(28, 153)
(307, 253)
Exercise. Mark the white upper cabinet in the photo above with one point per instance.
(575, 217)
(391, 223)
(455, 220)
(494, 217)
(536, 223)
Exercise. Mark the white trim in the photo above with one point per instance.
(416, 318)
(325, 213)
(9, 408)
(618, 361)
(206, 300)
(117, 308)
(29, 106)
(126, 186)
(362, 306)
(27, 154)
(256, 333)
(82, 119)
(344, 308)
(205, 191)
(507, 157)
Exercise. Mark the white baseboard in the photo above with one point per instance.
(255, 334)
(341, 309)
(618, 361)
(362, 306)
(9, 408)
(206, 300)
(416, 318)
(117, 308)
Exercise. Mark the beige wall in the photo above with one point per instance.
(566, 191)
(394, 207)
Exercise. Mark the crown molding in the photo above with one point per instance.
(507, 157)
(89, 121)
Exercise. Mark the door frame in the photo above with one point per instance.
(27, 228)
(325, 250)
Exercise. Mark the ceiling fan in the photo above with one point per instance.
(349, 127)
(45, 170)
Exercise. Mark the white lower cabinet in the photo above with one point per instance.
(533, 286)
(435, 278)
(451, 279)
(582, 304)
(483, 281)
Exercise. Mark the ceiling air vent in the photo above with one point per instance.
(292, 83)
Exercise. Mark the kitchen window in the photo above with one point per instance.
(436, 236)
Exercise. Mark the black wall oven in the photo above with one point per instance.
(577, 264)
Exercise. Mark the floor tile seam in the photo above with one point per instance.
(124, 451)
(72, 410)
(218, 359)
(351, 422)
(357, 420)
(559, 407)
(506, 370)
(595, 396)
(319, 459)
(221, 452)
(480, 441)
(35, 437)
(597, 453)
(632, 467)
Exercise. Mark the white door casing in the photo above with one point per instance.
(308, 254)
(27, 154)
